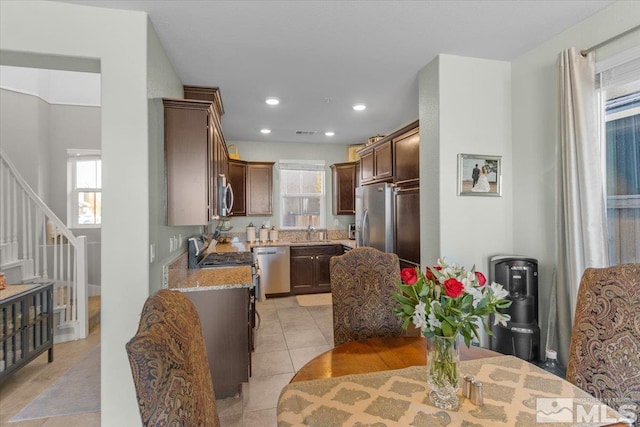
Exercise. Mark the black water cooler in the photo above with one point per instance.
(519, 276)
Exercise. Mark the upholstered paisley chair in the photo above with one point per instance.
(604, 356)
(362, 281)
(169, 364)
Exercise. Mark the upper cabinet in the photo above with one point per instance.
(252, 187)
(343, 177)
(406, 155)
(195, 155)
(376, 162)
(238, 180)
(259, 188)
(394, 158)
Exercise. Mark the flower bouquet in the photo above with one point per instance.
(444, 302)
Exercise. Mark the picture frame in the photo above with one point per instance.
(472, 181)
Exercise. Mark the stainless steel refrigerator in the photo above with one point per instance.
(374, 216)
(388, 219)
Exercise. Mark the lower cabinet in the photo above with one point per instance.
(310, 268)
(26, 326)
(224, 315)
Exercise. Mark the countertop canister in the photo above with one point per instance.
(251, 233)
(264, 234)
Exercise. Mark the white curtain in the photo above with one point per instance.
(582, 219)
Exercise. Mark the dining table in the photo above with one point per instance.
(383, 382)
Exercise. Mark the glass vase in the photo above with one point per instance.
(443, 360)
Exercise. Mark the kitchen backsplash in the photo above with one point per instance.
(293, 235)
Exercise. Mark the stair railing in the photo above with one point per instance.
(32, 236)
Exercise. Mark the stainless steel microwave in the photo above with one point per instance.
(225, 197)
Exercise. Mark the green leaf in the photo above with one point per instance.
(447, 329)
(406, 323)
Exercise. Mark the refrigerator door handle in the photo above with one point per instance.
(365, 228)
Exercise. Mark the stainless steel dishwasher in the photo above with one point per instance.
(273, 264)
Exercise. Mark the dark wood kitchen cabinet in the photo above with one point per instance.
(406, 155)
(252, 187)
(309, 267)
(259, 188)
(238, 180)
(376, 162)
(405, 174)
(407, 225)
(195, 155)
(224, 317)
(394, 158)
(343, 176)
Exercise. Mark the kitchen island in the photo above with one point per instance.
(222, 297)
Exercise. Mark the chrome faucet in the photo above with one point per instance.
(309, 230)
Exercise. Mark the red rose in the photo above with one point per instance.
(429, 274)
(453, 288)
(481, 279)
(409, 276)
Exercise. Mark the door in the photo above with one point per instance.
(378, 217)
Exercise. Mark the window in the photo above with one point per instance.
(84, 177)
(302, 196)
(620, 97)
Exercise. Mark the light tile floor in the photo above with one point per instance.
(288, 337)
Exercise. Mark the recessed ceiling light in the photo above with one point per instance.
(359, 107)
(272, 101)
(329, 133)
(265, 131)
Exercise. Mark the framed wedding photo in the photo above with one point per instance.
(479, 175)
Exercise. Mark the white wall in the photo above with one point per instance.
(274, 151)
(466, 104)
(535, 141)
(162, 83)
(53, 86)
(465, 107)
(24, 138)
(69, 127)
(118, 40)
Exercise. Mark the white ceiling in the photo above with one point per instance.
(320, 57)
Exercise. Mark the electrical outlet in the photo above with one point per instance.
(152, 253)
(336, 222)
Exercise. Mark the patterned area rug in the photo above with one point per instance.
(314, 299)
(76, 392)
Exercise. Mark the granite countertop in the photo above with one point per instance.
(211, 278)
(179, 276)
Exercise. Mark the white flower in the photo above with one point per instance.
(501, 318)
(477, 295)
(420, 315)
(498, 290)
(419, 320)
(421, 309)
(433, 321)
